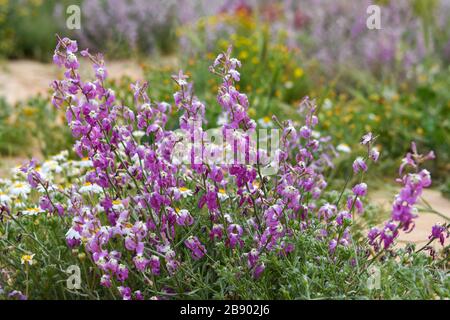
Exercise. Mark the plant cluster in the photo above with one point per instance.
(145, 221)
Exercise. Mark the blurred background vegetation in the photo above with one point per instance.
(394, 81)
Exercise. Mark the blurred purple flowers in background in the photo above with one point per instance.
(333, 33)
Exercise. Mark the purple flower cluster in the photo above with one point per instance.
(403, 209)
(139, 210)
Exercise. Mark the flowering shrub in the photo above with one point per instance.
(146, 217)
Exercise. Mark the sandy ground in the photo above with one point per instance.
(22, 79)
(424, 221)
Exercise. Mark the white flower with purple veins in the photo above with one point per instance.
(235, 75)
(73, 234)
(374, 154)
(90, 188)
(367, 138)
(359, 165)
(235, 63)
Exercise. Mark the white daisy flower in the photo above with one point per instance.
(85, 163)
(265, 122)
(20, 189)
(32, 211)
(27, 259)
(19, 204)
(90, 188)
(51, 166)
(4, 198)
(222, 195)
(118, 205)
(185, 192)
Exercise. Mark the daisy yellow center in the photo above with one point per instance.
(86, 184)
(116, 202)
(182, 189)
(266, 119)
(27, 258)
(222, 191)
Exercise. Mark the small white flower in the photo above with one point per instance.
(222, 119)
(138, 134)
(90, 188)
(32, 211)
(343, 148)
(222, 195)
(327, 104)
(84, 163)
(19, 204)
(315, 134)
(118, 205)
(289, 85)
(27, 259)
(73, 234)
(51, 166)
(20, 189)
(185, 192)
(4, 198)
(265, 122)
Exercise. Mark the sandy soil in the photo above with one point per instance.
(424, 221)
(22, 79)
